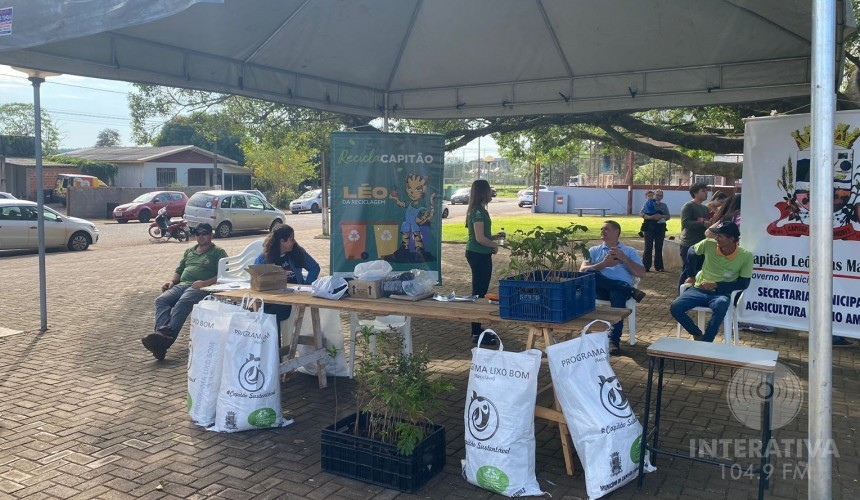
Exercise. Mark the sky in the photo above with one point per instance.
(81, 107)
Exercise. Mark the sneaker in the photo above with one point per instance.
(489, 339)
(842, 342)
(641, 234)
(637, 294)
(157, 344)
(614, 349)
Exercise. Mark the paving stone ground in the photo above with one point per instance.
(86, 412)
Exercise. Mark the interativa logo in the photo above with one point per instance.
(749, 388)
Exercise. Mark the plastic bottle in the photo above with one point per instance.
(502, 236)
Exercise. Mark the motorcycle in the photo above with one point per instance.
(162, 227)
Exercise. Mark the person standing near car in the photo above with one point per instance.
(197, 270)
(480, 248)
(655, 232)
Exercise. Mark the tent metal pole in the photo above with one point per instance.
(385, 116)
(40, 203)
(821, 249)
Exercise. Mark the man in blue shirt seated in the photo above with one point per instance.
(615, 265)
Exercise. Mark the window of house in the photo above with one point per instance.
(197, 176)
(165, 176)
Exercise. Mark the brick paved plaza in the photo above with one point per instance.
(86, 412)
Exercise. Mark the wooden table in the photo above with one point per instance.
(733, 356)
(466, 312)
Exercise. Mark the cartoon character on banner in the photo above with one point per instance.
(415, 226)
(794, 181)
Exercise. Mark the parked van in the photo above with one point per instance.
(66, 181)
(229, 211)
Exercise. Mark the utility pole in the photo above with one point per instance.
(629, 181)
(479, 158)
(214, 163)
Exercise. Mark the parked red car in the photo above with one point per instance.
(147, 205)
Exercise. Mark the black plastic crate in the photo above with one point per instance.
(547, 301)
(367, 460)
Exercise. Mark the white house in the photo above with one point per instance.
(155, 167)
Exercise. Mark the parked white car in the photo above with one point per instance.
(18, 228)
(6, 196)
(526, 196)
(309, 201)
(229, 211)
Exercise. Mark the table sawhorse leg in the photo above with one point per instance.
(317, 341)
(553, 414)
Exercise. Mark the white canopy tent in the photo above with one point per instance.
(434, 58)
(475, 58)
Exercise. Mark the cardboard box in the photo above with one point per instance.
(268, 277)
(365, 289)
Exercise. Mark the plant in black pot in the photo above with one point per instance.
(389, 440)
(543, 282)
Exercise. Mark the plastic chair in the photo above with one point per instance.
(233, 268)
(631, 304)
(729, 321)
(402, 324)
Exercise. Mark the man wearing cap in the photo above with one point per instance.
(197, 269)
(727, 267)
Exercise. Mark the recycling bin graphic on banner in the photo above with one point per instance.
(386, 201)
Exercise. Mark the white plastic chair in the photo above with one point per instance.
(729, 321)
(631, 304)
(403, 325)
(233, 268)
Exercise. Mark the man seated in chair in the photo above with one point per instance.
(615, 265)
(197, 269)
(727, 267)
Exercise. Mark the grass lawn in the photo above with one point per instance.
(629, 225)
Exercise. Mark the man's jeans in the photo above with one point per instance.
(616, 292)
(173, 307)
(695, 297)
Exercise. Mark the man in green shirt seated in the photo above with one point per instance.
(727, 268)
(197, 269)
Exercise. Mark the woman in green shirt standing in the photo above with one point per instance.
(480, 247)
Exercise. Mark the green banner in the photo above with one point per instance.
(386, 201)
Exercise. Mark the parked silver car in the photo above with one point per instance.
(461, 196)
(18, 227)
(309, 201)
(229, 211)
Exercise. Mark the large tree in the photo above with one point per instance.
(213, 132)
(250, 121)
(108, 138)
(18, 118)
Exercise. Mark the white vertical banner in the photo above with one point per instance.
(775, 222)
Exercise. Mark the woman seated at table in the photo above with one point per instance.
(280, 248)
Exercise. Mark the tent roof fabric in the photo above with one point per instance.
(434, 58)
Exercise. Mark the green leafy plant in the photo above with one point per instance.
(539, 255)
(106, 172)
(395, 390)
